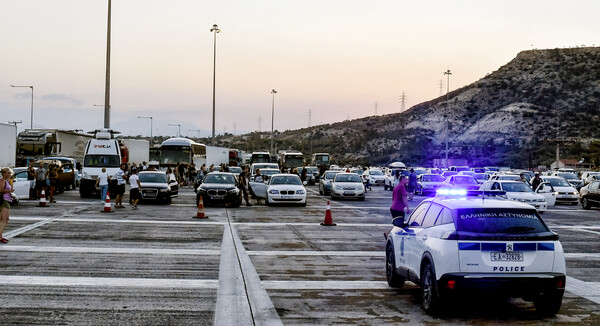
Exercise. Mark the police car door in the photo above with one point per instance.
(545, 189)
(412, 247)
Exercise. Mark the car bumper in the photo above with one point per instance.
(514, 285)
(226, 199)
(286, 198)
(567, 198)
(154, 194)
(347, 194)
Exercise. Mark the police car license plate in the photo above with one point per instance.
(506, 256)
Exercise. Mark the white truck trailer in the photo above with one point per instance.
(135, 151)
(216, 155)
(33, 144)
(8, 145)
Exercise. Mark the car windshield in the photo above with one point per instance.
(480, 176)
(269, 172)
(235, 169)
(219, 178)
(558, 182)
(347, 178)
(516, 187)
(101, 161)
(286, 180)
(153, 177)
(265, 166)
(375, 172)
(358, 172)
(509, 177)
(464, 180)
(497, 220)
(432, 178)
(568, 176)
(330, 175)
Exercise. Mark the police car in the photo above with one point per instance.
(474, 244)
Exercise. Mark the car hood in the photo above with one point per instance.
(565, 189)
(157, 185)
(217, 186)
(348, 184)
(523, 195)
(285, 187)
(377, 177)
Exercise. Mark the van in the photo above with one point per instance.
(101, 152)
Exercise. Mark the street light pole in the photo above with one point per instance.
(107, 82)
(273, 92)
(215, 29)
(30, 86)
(448, 72)
(151, 138)
(178, 130)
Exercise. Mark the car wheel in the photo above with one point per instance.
(429, 296)
(385, 187)
(361, 198)
(320, 190)
(548, 305)
(168, 201)
(393, 279)
(585, 203)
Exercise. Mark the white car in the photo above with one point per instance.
(376, 177)
(262, 166)
(571, 178)
(285, 188)
(347, 185)
(588, 177)
(470, 245)
(566, 192)
(518, 191)
(21, 186)
(429, 183)
(481, 177)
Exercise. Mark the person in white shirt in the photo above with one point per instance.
(121, 181)
(134, 191)
(102, 182)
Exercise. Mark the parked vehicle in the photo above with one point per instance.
(325, 182)
(220, 188)
(566, 192)
(590, 176)
(571, 178)
(8, 145)
(65, 174)
(100, 152)
(376, 177)
(33, 144)
(518, 191)
(589, 196)
(461, 181)
(429, 183)
(347, 185)
(156, 186)
(134, 150)
(285, 189)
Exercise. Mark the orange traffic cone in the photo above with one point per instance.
(107, 206)
(328, 219)
(200, 213)
(43, 199)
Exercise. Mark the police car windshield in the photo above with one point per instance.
(558, 182)
(433, 178)
(499, 220)
(516, 187)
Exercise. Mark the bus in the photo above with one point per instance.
(321, 160)
(181, 150)
(292, 159)
(260, 157)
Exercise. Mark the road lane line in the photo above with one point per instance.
(577, 255)
(587, 290)
(326, 285)
(317, 253)
(108, 282)
(112, 250)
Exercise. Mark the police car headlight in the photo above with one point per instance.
(299, 192)
(273, 192)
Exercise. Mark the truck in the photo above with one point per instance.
(216, 155)
(103, 151)
(134, 151)
(291, 159)
(34, 144)
(8, 141)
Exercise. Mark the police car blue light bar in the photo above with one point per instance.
(458, 192)
(451, 192)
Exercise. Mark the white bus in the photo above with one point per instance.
(181, 150)
(260, 157)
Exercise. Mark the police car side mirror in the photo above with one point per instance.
(399, 222)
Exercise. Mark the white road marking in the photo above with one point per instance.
(326, 285)
(562, 226)
(317, 253)
(587, 290)
(108, 282)
(577, 255)
(112, 250)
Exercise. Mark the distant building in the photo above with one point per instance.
(573, 164)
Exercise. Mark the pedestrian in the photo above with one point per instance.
(399, 199)
(522, 178)
(536, 181)
(134, 191)
(303, 174)
(40, 179)
(412, 184)
(244, 184)
(121, 181)
(192, 173)
(368, 184)
(102, 182)
(181, 174)
(6, 199)
(170, 175)
(31, 179)
(52, 180)
(144, 167)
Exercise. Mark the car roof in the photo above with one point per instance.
(151, 172)
(477, 202)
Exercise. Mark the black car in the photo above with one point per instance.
(156, 187)
(219, 188)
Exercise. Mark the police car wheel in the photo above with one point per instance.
(548, 304)
(430, 299)
(393, 279)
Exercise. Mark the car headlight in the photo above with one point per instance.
(233, 190)
(273, 192)
(165, 189)
(336, 187)
(574, 193)
(300, 192)
(201, 190)
(85, 175)
(360, 188)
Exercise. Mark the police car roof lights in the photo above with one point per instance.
(458, 192)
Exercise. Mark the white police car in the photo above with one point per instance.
(474, 244)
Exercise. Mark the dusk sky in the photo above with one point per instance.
(335, 58)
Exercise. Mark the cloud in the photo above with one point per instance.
(56, 98)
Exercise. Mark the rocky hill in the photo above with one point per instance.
(512, 116)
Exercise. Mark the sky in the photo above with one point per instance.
(328, 60)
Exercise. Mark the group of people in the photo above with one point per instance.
(43, 179)
(125, 174)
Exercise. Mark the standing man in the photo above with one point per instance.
(134, 191)
(40, 179)
(412, 184)
(31, 179)
(399, 199)
(121, 181)
(535, 182)
(244, 184)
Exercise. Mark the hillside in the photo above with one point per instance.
(510, 117)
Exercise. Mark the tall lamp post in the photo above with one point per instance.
(107, 80)
(30, 86)
(151, 138)
(215, 29)
(273, 92)
(178, 130)
(448, 72)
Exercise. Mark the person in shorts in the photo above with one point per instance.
(121, 181)
(134, 191)
(40, 179)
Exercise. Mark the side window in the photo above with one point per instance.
(445, 217)
(21, 175)
(431, 216)
(416, 218)
(595, 186)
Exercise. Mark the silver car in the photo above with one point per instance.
(347, 185)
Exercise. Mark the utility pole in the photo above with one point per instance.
(309, 116)
(441, 84)
(107, 82)
(402, 102)
(375, 107)
(448, 73)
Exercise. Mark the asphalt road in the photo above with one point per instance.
(72, 264)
